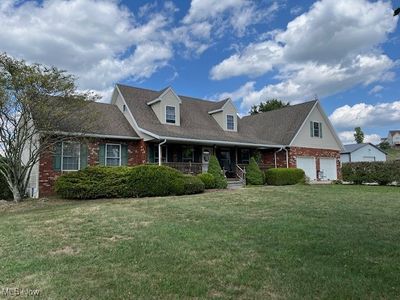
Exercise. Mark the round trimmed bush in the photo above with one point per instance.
(124, 182)
(254, 176)
(215, 169)
(284, 176)
(208, 180)
(193, 185)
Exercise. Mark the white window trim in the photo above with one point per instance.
(62, 157)
(120, 154)
(166, 115)
(233, 118)
(319, 129)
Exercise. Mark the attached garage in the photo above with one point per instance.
(328, 168)
(308, 165)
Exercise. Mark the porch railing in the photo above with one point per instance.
(241, 174)
(186, 167)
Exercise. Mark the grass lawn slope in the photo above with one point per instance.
(260, 242)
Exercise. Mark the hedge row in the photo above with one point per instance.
(284, 176)
(382, 173)
(124, 182)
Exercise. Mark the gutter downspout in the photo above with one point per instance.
(159, 151)
(275, 155)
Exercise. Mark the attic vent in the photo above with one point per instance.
(124, 108)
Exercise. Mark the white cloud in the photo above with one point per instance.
(100, 41)
(376, 89)
(366, 115)
(347, 137)
(314, 56)
(296, 10)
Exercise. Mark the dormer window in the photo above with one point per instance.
(230, 122)
(170, 116)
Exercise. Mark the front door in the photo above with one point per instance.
(207, 151)
(225, 159)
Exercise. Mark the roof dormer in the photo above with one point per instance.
(167, 107)
(225, 114)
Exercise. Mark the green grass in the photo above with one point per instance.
(269, 242)
(393, 154)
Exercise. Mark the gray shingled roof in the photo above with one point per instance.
(97, 119)
(272, 128)
(279, 125)
(354, 147)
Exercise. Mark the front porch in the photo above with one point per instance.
(194, 158)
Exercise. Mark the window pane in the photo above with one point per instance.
(70, 157)
(170, 114)
(112, 162)
(230, 124)
(187, 154)
(113, 155)
(316, 129)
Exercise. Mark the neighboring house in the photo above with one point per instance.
(145, 126)
(362, 152)
(394, 138)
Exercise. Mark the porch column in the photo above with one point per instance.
(160, 152)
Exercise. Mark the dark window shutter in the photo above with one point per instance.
(84, 156)
(124, 155)
(320, 130)
(102, 154)
(57, 156)
(151, 153)
(312, 128)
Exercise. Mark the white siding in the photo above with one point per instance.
(345, 158)
(304, 139)
(33, 184)
(220, 117)
(368, 153)
(159, 108)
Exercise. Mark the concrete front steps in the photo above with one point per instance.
(234, 183)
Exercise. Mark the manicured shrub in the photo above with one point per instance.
(254, 176)
(284, 176)
(382, 173)
(193, 185)
(124, 182)
(208, 180)
(215, 169)
(94, 182)
(5, 193)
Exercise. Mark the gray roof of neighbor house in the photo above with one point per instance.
(271, 128)
(392, 132)
(354, 147)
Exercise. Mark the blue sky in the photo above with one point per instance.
(345, 52)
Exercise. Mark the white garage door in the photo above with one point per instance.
(328, 167)
(307, 164)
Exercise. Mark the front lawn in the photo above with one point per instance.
(269, 242)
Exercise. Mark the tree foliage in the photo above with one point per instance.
(35, 101)
(384, 145)
(358, 135)
(268, 105)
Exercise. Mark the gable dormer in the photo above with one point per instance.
(226, 115)
(167, 107)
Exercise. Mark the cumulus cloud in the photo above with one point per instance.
(368, 115)
(314, 56)
(100, 41)
(347, 137)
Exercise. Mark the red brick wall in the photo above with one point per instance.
(268, 157)
(137, 154)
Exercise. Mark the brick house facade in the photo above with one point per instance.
(136, 150)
